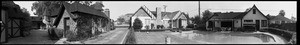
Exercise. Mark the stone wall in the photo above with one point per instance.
(87, 26)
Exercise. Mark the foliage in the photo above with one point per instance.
(190, 26)
(206, 14)
(199, 22)
(41, 6)
(281, 13)
(248, 9)
(98, 5)
(137, 24)
(121, 20)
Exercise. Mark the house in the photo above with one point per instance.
(252, 18)
(12, 20)
(279, 19)
(153, 19)
(80, 21)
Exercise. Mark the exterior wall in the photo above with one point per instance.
(3, 35)
(237, 23)
(184, 23)
(85, 26)
(217, 23)
(145, 21)
(166, 24)
(257, 16)
(61, 23)
(144, 17)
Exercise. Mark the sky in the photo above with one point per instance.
(118, 8)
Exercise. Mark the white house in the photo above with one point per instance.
(151, 19)
(250, 18)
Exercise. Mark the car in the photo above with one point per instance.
(112, 25)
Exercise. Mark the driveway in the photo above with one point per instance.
(36, 37)
(116, 36)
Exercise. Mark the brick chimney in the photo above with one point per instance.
(158, 15)
(106, 11)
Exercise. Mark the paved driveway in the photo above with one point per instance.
(36, 37)
(116, 36)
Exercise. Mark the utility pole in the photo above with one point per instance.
(199, 8)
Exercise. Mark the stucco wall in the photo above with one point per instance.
(257, 16)
(184, 23)
(143, 16)
(237, 23)
(217, 23)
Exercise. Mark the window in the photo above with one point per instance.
(254, 11)
(277, 22)
(282, 21)
(248, 20)
(264, 23)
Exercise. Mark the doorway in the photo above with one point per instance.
(257, 24)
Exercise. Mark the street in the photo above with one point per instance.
(116, 36)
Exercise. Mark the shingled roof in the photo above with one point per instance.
(170, 15)
(233, 15)
(278, 17)
(77, 7)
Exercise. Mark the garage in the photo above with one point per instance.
(226, 24)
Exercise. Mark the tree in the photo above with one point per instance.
(248, 9)
(281, 13)
(98, 5)
(294, 18)
(41, 6)
(121, 19)
(88, 3)
(137, 24)
(206, 14)
(196, 20)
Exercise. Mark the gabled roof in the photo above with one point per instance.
(234, 15)
(170, 15)
(182, 14)
(278, 17)
(163, 13)
(146, 10)
(77, 7)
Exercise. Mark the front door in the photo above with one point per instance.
(180, 24)
(257, 24)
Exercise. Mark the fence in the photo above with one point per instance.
(287, 35)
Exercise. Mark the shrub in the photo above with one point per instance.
(137, 24)
(190, 26)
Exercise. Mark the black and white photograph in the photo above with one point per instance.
(148, 22)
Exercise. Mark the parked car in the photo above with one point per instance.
(112, 25)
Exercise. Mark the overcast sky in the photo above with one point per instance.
(118, 8)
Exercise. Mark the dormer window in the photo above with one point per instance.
(254, 11)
